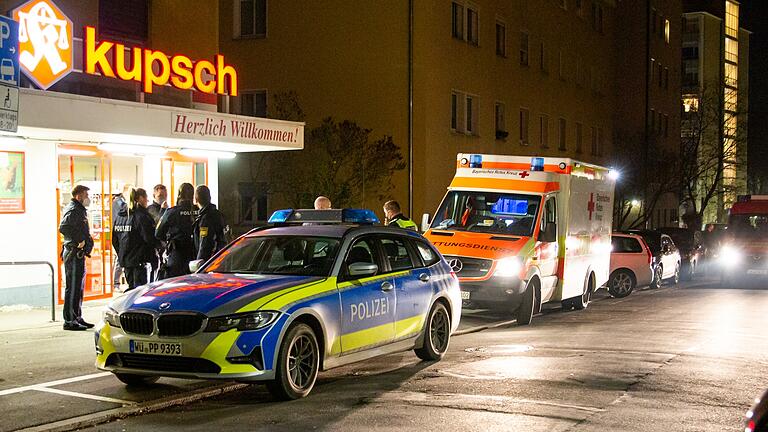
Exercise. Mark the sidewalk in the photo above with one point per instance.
(28, 318)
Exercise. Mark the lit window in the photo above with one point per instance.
(731, 75)
(731, 50)
(730, 99)
(729, 124)
(501, 39)
(524, 48)
(524, 117)
(732, 19)
(666, 30)
(690, 103)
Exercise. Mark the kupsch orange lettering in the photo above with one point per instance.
(155, 68)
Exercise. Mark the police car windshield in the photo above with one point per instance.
(749, 225)
(488, 212)
(278, 255)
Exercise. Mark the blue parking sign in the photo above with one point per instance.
(9, 51)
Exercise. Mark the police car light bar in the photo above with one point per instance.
(334, 216)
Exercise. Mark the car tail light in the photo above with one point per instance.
(650, 255)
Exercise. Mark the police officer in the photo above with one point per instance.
(156, 210)
(119, 204)
(133, 237)
(175, 229)
(396, 218)
(209, 225)
(78, 244)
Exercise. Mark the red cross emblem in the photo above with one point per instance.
(524, 174)
(591, 205)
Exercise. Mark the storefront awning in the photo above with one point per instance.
(82, 119)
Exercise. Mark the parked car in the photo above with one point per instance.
(666, 257)
(757, 417)
(689, 243)
(631, 261)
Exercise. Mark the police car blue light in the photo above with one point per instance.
(331, 293)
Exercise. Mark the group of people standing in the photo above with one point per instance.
(152, 241)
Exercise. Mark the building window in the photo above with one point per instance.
(524, 48)
(653, 120)
(659, 73)
(732, 19)
(457, 12)
(666, 30)
(501, 39)
(654, 21)
(597, 17)
(524, 117)
(666, 126)
(251, 103)
(577, 6)
(731, 50)
(454, 111)
(561, 136)
(252, 17)
(600, 141)
(594, 141)
(470, 115)
(543, 58)
(501, 127)
(544, 131)
(564, 4)
(560, 65)
(690, 103)
(731, 75)
(472, 26)
(579, 137)
(666, 78)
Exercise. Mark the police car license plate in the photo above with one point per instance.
(155, 348)
(465, 295)
(757, 272)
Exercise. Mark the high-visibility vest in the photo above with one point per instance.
(407, 224)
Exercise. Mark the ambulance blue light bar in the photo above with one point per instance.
(537, 164)
(333, 216)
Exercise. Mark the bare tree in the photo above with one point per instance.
(713, 137)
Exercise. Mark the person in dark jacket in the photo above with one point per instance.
(78, 245)
(396, 218)
(209, 226)
(156, 210)
(133, 237)
(119, 203)
(176, 229)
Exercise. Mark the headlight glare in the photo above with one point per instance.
(111, 317)
(508, 267)
(730, 256)
(242, 321)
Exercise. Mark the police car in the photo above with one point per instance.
(313, 290)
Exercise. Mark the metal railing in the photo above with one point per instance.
(53, 280)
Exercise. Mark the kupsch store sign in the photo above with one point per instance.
(45, 53)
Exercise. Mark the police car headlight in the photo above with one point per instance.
(111, 317)
(508, 267)
(730, 256)
(242, 322)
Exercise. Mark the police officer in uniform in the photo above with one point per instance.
(133, 237)
(78, 244)
(156, 210)
(119, 204)
(396, 218)
(209, 225)
(175, 229)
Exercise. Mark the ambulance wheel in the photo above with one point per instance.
(136, 380)
(527, 306)
(437, 334)
(297, 364)
(581, 302)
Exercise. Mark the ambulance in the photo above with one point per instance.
(523, 231)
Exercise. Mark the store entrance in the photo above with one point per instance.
(106, 175)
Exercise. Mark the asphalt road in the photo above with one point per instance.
(680, 358)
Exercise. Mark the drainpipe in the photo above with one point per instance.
(410, 107)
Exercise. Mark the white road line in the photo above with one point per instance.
(84, 396)
(54, 383)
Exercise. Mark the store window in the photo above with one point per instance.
(251, 15)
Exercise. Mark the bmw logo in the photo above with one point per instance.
(165, 306)
(456, 264)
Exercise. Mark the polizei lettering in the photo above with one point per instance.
(370, 309)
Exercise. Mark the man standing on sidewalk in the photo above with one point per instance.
(77, 245)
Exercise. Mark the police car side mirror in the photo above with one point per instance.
(363, 269)
(425, 219)
(195, 265)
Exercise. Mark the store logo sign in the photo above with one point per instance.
(45, 42)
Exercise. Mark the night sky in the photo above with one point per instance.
(755, 14)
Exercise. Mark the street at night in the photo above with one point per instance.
(686, 358)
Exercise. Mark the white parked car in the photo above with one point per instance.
(631, 264)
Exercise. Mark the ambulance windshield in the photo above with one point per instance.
(488, 212)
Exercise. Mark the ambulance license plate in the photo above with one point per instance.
(465, 295)
(757, 272)
(155, 348)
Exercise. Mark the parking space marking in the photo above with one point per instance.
(54, 383)
(84, 396)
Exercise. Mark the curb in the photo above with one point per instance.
(107, 416)
(483, 327)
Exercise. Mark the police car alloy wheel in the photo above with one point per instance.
(297, 364)
(136, 380)
(437, 334)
